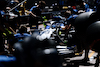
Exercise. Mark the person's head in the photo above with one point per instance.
(22, 29)
(42, 4)
(67, 14)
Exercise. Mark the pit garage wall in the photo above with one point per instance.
(50, 2)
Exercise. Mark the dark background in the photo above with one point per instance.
(31, 2)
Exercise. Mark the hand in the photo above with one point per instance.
(38, 17)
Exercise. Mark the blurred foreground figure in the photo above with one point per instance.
(93, 36)
(93, 39)
(2, 8)
(82, 22)
(35, 53)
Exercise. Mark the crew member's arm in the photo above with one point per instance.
(30, 12)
